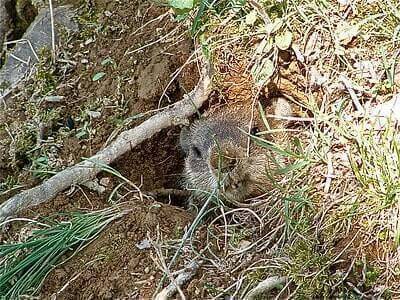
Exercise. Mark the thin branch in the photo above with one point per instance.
(349, 86)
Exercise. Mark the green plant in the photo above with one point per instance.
(308, 269)
(376, 164)
(24, 265)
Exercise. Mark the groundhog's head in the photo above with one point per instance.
(217, 158)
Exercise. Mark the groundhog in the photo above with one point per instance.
(223, 160)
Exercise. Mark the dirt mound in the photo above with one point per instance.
(114, 41)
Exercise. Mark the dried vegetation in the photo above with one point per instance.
(330, 226)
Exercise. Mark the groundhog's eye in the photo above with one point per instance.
(254, 130)
(196, 152)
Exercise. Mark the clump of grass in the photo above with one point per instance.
(316, 191)
(88, 19)
(45, 78)
(376, 164)
(25, 141)
(25, 265)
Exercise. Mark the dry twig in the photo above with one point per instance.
(182, 279)
(265, 286)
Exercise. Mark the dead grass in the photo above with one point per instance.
(331, 223)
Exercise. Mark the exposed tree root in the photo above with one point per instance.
(88, 169)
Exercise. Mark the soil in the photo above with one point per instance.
(112, 266)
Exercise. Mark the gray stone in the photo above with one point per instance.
(24, 55)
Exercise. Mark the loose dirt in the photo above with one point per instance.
(114, 266)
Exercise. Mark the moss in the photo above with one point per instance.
(309, 270)
(4, 85)
(371, 276)
(25, 141)
(88, 20)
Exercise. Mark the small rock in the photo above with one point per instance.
(94, 186)
(94, 114)
(244, 244)
(144, 244)
(316, 78)
(89, 41)
(84, 61)
(105, 181)
(53, 98)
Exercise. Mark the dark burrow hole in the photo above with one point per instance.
(156, 165)
(22, 14)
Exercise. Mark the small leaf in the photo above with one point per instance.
(345, 32)
(264, 47)
(98, 76)
(251, 18)
(181, 4)
(107, 61)
(284, 40)
(181, 16)
(274, 27)
(42, 159)
(263, 71)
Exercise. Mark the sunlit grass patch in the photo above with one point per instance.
(334, 194)
(376, 164)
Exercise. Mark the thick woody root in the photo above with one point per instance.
(88, 169)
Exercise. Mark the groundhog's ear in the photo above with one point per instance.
(184, 139)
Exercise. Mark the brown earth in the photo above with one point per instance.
(112, 266)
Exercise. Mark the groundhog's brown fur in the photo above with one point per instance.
(220, 158)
